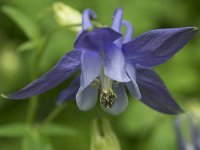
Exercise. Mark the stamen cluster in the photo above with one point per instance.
(108, 98)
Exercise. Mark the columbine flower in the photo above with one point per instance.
(106, 64)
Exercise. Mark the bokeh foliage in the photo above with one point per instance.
(139, 127)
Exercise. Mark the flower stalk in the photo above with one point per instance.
(53, 114)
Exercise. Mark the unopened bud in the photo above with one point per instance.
(103, 137)
(67, 16)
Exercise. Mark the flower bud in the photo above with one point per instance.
(102, 136)
(67, 16)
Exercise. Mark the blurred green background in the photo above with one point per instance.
(139, 127)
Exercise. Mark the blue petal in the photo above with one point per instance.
(115, 64)
(132, 86)
(117, 20)
(154, 93)
(70, 92)
(86, 23)
(67, 65)
(121, 101)
(90, 67)
(157, 46)
(87, 98)
(129, 31)
(180, 138)
(97, 39)
(117, 23)
(195, 132)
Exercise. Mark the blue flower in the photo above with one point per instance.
(108, 62)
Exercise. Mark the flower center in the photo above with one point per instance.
(107, 96)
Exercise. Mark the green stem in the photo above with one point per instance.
(32, 109)
(33, 103)
(52, 115)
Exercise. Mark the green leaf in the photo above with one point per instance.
(141, 126)
(23, 21)
(57, 130)
(13, 130)
(35, 141)
(26, 46)
(156, 140)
